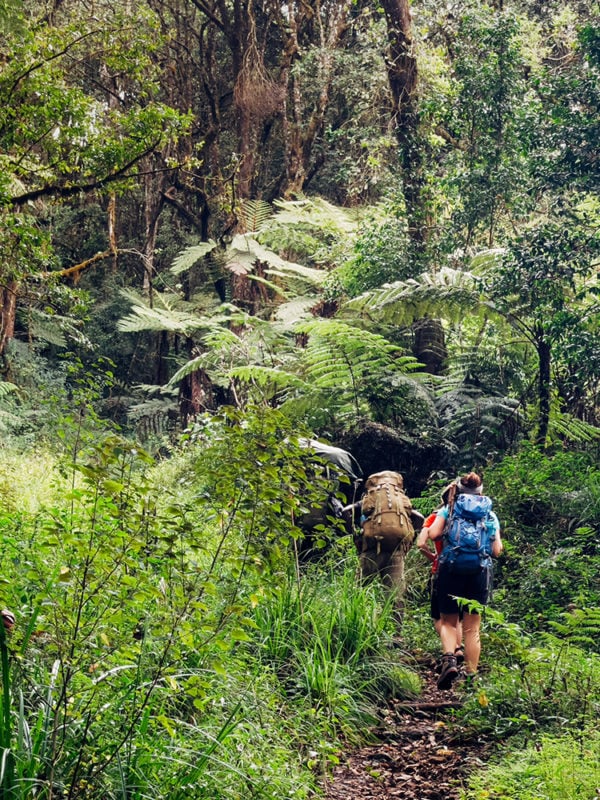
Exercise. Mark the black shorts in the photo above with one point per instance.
(434, 599)
(472, 587)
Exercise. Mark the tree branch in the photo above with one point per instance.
(73, 189)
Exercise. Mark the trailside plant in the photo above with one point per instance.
(538, 683)
(122, 630)
(554, 768)
(328, 640)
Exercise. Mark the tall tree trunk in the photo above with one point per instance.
(544, 362)
(8, 313)
(403, 78)
(429, 339)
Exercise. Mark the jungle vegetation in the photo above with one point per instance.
(226, 226)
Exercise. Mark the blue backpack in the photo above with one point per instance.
(467, 538)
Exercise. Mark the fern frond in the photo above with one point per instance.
(143, 318)
(218, 342)
(486, 259)
(316, 213)
(190, 256)
(165, 316)
(254, 214)
(193, 365)
(7, 388)
(46, 327)
(580, 626)
(444, 294)
(244, 251)
(289, 314)
(154, 389)
(565, 426)
(265, 376)
(341, 357)
(298, 278)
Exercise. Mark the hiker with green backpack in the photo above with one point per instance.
(388, 524)
(470, 532)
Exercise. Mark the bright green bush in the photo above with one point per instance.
(552, 768)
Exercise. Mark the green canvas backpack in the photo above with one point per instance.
(386, 512)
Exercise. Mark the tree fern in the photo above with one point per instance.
(245, 251)
(580, 626)
(144, 318)
(316, 213)
(171, 313)
(340, 360)
(271, 377)
(7, 388)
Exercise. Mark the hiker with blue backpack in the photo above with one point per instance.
(470, 533)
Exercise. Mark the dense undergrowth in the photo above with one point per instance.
(168, 645)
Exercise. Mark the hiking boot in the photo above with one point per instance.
(449, 671)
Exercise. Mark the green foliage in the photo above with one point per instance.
(340, 365)
(539, 683)
(327, 639)
(188, 257)
(554, 768)
(489, 118)
(382, 256)
(448, 291)
(550, 532)
(159, 637)
(311, 230)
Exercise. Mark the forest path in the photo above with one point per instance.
(417, 755)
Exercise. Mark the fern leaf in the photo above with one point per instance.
(297, 276)
(289, 314)
(316, 213)
(7, 388)
(254, 214)
(142, 318)
(47, 327)
(445, 294)
(265, 376)
(190, 256)
(244, 251)
(486, 259)
(567, 427)
(193, 365)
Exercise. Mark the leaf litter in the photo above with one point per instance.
(420, 751)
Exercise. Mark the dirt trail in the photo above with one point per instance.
(418, 756)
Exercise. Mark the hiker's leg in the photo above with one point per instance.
(448, 632)
(459, 633)
(459, 650)
(471, 625)
(434, 606)
(369, 566)
(393, 578)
